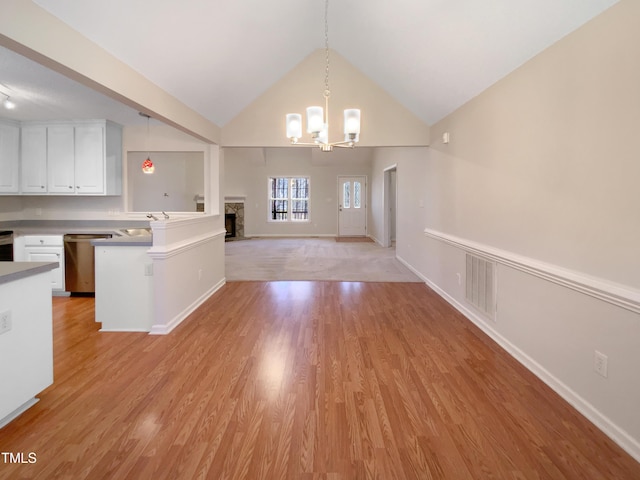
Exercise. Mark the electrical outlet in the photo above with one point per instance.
(459, 278)
(5, 321)
(200, 274)
(600, 363)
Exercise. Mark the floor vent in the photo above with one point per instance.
(481, 285)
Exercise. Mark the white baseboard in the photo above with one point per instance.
(178, 319)
(107, 330)
(291, 235)
(18, 411)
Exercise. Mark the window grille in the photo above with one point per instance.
(289, 198)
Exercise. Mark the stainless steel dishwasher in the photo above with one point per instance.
(79, 262)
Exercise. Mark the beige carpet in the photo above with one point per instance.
(313, 259)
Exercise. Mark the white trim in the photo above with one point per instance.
(109, 330)
(620, 295)
(289, 199)
(290, 235)
(167, 251)
(180, 317)
(386, 203)
(179, 222)
(235, 199)
(6, 420)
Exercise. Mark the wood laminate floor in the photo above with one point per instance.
(301, 380)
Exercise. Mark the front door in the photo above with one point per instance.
(352, 208)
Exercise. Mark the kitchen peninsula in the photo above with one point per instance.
(26, 335)
(124, 282)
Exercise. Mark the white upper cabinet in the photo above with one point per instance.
(60, 159)
(80, 158)
(33, 158)
(9, 157)
(90, 159)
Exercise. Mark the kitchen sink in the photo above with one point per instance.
(136, 232)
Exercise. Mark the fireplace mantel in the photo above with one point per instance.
(235, 199)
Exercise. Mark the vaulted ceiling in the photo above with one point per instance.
(218, 56)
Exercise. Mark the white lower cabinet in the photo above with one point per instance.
(46, 248)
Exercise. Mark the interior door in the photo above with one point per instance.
(352, 208)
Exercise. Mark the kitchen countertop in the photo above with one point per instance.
(61, 227)
(10, 271)
(124, 241)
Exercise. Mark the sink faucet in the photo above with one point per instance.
(151, 215)
(166, 217)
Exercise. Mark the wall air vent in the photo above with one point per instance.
(481, 285)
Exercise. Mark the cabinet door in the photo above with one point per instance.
(33, 159)
(9, 158)
(89, 166)
(60, 159)
(57, 274)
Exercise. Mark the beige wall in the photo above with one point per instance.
(384, 121)
(247, 172)
(545, 162)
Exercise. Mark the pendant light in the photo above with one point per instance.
(147, 165)
(318, 119)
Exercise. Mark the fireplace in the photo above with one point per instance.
(234, 220)
(230, 225)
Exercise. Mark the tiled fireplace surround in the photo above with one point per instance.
(236, 207)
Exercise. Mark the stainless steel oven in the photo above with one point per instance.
(6, 246)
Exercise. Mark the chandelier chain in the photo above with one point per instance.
(327, 92)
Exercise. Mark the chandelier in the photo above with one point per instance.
(318, 119)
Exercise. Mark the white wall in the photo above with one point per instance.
(541, 176)
(410, 175)
(384, 121)
(188, 267)
(10, 208)
(178, 178)
(163, 138)
(247, 172)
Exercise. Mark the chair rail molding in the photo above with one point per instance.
(610, 292)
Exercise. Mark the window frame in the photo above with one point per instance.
(289, 199)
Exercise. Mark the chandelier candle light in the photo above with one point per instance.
(318, 119)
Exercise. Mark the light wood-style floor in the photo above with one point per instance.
(301, 380)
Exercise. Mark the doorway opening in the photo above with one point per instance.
(389, 210)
